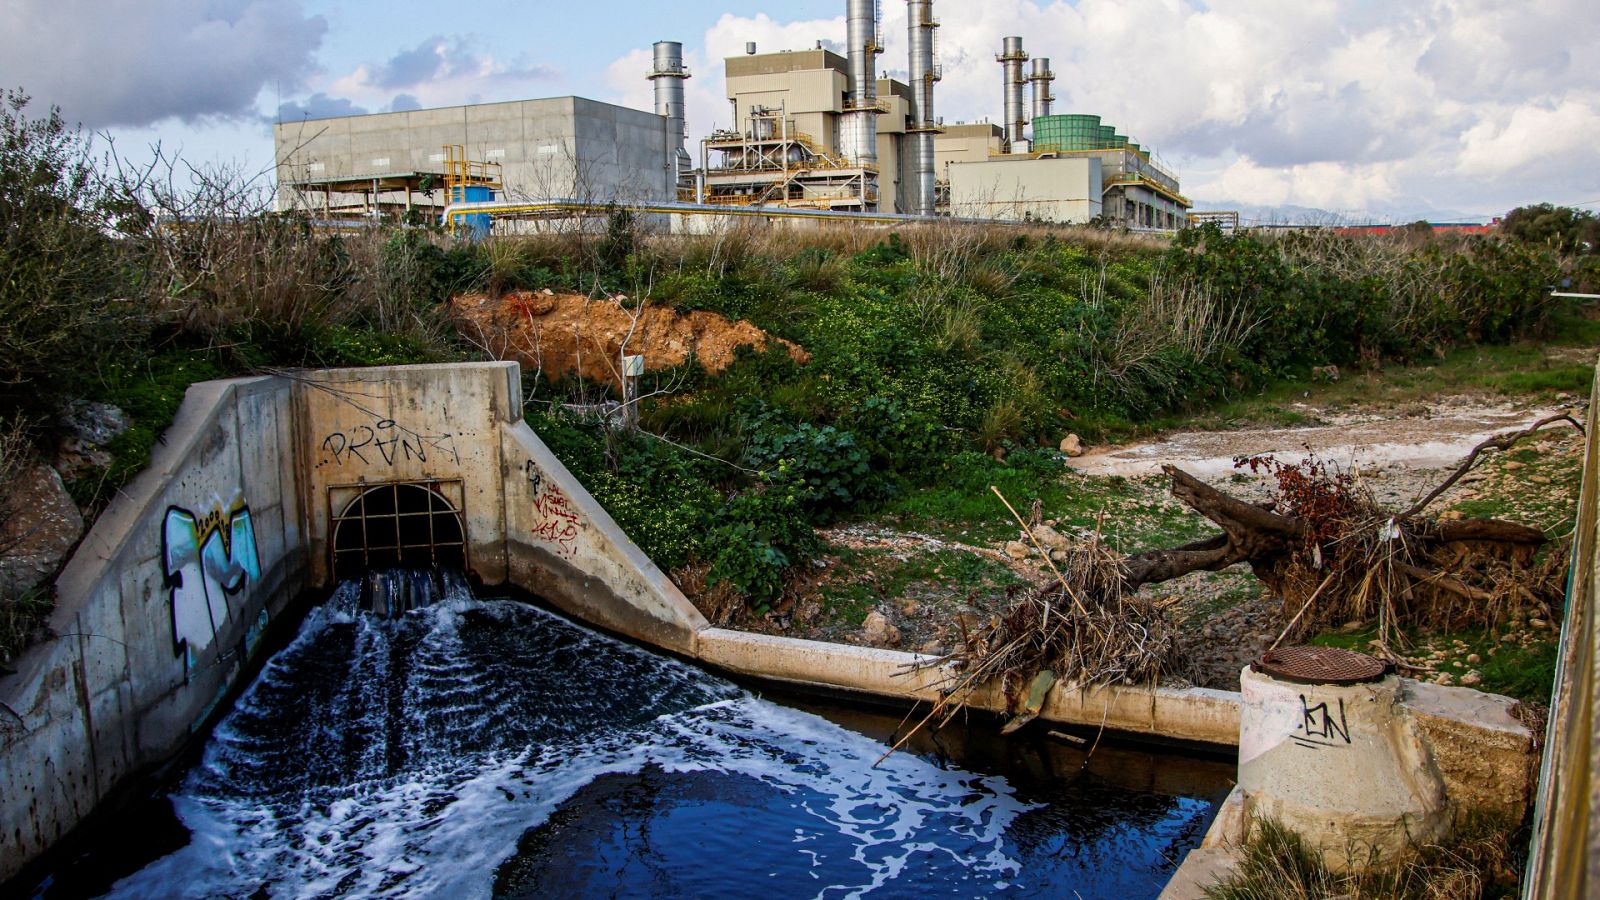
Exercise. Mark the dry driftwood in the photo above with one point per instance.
(1404, 567)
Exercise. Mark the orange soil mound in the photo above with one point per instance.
(565, 334)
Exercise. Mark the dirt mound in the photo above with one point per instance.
(566, 334)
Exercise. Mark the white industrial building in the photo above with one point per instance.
(557, 147)
(813, 130)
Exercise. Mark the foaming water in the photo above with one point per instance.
(486, 747)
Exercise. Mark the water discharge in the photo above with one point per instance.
(485, 747)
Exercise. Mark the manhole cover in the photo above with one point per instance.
(1322, 665)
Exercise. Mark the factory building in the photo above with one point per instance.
(392, 162)
(797, 144)
(1071, 168)
(810, 129)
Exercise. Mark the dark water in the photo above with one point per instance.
(480, 748)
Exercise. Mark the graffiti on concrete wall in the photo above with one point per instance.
(206, 558)
(559, 523)
(1321, 726)
(387, 442)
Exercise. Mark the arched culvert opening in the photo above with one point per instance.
(407, 524)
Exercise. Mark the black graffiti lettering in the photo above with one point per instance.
(393, 441)
(1319, 721)
(532, 471)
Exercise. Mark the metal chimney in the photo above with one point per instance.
(668, 75)
(1040, 77)
(858, 128)
(924, 72)
(1011, 59)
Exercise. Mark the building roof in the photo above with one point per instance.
(786, 61)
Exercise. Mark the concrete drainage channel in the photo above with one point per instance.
(265, 487)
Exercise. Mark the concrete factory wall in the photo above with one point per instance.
(557, 147)
(1017, 188)
(157, 612)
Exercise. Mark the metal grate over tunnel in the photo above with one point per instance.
(402, 524)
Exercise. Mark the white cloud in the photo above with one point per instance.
(1475, 104)
(439, 71)
(135, 62)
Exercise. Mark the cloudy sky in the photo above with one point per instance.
(1396, 108)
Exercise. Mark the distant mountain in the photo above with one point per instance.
(1289, 214)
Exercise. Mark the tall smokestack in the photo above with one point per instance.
(1040, 77)
(924, 72)
(668, 75)
(1011, 59)
(858, 128)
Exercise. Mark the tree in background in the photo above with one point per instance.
(1565, 228)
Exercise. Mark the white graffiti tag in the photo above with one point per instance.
(206, 558)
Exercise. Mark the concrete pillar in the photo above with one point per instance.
(1329, 752)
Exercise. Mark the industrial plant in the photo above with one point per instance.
(813, 133)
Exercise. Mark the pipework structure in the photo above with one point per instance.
(1011, 58)
(924, 66)
(1040, 77)
(667, 75)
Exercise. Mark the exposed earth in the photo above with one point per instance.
(917, 588)
(560, 335)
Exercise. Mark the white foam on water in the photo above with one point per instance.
(420, 759)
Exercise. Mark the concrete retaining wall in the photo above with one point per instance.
(233, 518)
(158, 610)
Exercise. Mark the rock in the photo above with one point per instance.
(908, 607)
(932, 648)
(1050, 539)
(1539, 479)
(1474, 659)
(1443, 678)
(1453, 515)
(1471, 678)
(538, 304)
(1536, 623)
(40, 525)
(86, 429)
(877, 630)
(1072, 445)
(1513, 466)
(1016, 549)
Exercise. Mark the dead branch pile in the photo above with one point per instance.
(1335, 555)
(1086, 629)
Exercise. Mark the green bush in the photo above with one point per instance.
(65, 278)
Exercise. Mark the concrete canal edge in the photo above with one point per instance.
(260, 490)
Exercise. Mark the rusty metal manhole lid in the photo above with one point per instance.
(1321, 665)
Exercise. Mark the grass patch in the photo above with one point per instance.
(863, 579)
(1522, 666)
(1137, 512)
(1539, 371)
(1478, 861)
(149, 392)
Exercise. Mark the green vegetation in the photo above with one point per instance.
(1520, 665)
(864, 579)
(1476, 862)
(944, 357)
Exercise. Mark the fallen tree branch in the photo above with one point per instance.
(1501, 442)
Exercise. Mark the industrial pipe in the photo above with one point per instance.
(1040, 77)
(1011, 58)
(858, 127)
(924, 72)
(668, 74)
